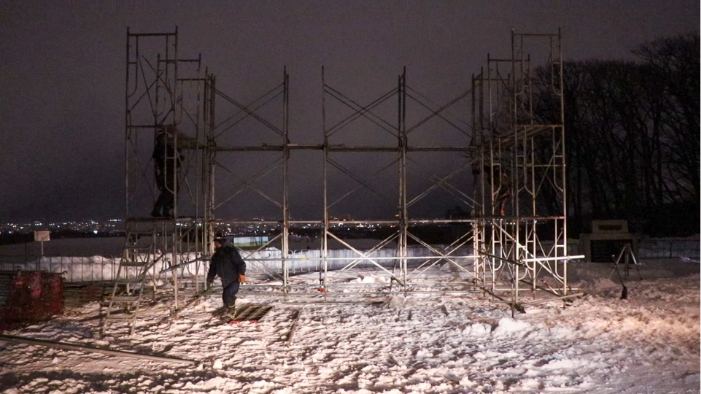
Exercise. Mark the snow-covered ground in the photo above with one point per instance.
(421, 342)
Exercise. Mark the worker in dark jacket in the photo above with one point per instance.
(167, 162)
(230, 267)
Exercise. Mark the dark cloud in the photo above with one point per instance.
(62, 71)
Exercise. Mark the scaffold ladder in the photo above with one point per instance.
(133, 274)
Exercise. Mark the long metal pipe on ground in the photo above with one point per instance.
(83, 348)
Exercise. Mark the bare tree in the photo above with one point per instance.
(674, 63)
(632, 134)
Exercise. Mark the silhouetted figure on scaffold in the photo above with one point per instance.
(503, 193)
(167, 160)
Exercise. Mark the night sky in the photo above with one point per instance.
(62, 71)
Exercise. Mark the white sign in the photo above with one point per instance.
(41, 236)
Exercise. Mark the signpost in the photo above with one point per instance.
(41, 236)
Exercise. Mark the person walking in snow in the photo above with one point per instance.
(228, 265)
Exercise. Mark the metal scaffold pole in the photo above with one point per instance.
(325, 227)
(285, 192)
(402, 146)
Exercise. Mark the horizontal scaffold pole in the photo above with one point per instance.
(84, 348)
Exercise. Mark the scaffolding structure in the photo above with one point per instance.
(520, 166)
(340, 139)
(266, 141)
(163, 96)
(399, 152)
(511, 235)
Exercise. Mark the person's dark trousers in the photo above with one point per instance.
(229, 294)
(166, 200)
(164, 204)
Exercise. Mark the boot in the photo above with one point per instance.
(231, 311)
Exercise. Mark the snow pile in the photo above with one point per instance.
(372, 279)
(477, 330)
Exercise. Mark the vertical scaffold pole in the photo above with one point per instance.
(325, 235)
(285, 197)
(403, 213)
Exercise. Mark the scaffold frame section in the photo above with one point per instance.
(500, 246)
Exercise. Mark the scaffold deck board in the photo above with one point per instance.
(250, 312)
